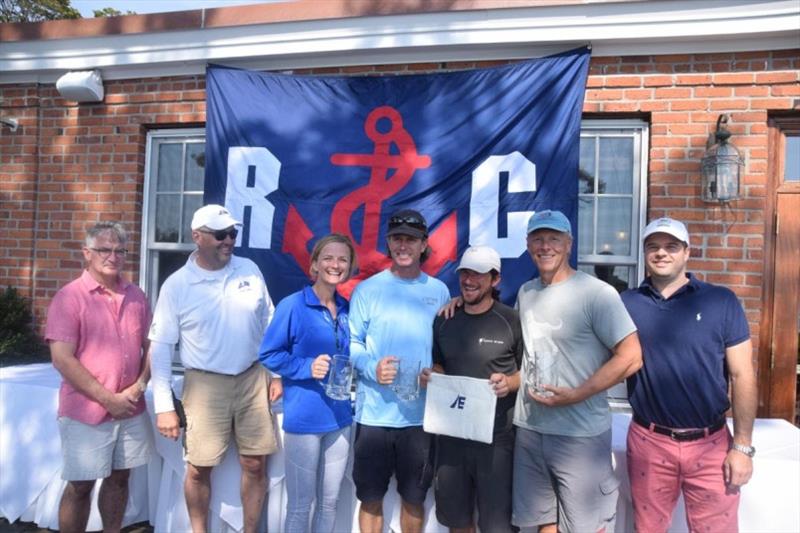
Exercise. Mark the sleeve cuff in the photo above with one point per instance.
(162, 402)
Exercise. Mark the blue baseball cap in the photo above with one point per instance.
(547, 219)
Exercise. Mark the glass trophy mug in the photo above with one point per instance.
(406, 381)
(340, 378)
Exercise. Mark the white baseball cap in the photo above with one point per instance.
(213, 217)
(481, 259)
(667, 225)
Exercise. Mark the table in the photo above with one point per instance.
(30, 452)
(769, 501)
(226, 514)
(31, 487)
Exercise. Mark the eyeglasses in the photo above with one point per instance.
(408, 220)
(105, 253)
(220, 234)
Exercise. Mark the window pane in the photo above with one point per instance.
(614, 225)
(169, 262)
(587, 165)
(791, 167)
(169, 167)
(195, 166)
(616, 165)
(167, 217)
(615, 275)
(585, 225)
(191, 203)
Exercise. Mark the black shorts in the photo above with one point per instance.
(379, 452)
(467, 471)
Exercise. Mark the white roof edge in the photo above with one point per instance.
(639, 28)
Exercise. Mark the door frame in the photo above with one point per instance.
(779, 126)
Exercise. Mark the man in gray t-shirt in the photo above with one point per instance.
(579, 341)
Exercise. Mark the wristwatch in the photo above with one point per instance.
(143, 386)
(747, 450)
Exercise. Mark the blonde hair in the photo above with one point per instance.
(333, 238)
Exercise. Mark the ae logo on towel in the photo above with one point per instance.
(458, 403)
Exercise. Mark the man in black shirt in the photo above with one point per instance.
(482, 340)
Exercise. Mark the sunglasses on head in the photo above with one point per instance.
(408, 220)
(220, 234)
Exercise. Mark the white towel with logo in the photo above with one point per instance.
(461, 407)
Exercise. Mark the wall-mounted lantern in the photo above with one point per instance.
(721, 166)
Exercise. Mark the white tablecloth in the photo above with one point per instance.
(30, 452)
(226, 514)
(770, 501)
(31, 487)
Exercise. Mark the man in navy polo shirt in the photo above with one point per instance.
(695, 339)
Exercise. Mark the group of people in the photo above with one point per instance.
(680, 342)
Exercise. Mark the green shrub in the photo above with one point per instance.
(18, 342)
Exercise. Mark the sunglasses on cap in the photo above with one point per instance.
(408, 220)
(220, 234)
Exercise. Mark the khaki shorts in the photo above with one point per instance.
(92, 451)
(217, 405)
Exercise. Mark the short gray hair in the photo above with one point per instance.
(115, 228)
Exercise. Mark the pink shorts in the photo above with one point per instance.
(659, 468)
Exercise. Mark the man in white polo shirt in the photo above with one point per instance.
(217, 306)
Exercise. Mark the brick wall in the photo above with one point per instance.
(69, 165)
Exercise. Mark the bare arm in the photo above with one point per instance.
(626, 359)
(119, 404)
(144, 375)
(738, 467)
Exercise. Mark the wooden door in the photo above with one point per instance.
(779, 358)
(785, 309)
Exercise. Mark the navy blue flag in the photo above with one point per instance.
(476, 152)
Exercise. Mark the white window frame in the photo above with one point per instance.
(639, 130)
(148, 266)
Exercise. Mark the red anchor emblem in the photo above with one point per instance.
(382, 186)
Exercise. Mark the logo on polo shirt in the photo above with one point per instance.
(244, 283)
(699, 316)
(489, 341)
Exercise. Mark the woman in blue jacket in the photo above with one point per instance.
(307, 329)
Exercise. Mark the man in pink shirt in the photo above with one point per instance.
(97, 330)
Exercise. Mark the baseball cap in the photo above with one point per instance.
(667, 225)
(214, 217)
(408, 222)
(548, 219)
(481, 259)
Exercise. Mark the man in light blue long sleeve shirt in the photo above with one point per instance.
(391, 320)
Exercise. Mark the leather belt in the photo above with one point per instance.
(211, 373)
(681, 435)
